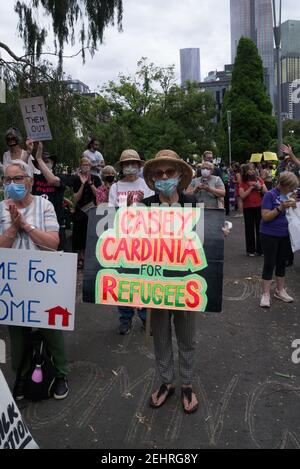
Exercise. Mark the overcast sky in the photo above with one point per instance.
(156, 29)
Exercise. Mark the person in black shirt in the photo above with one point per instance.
(51, 187)
(169, 176)
(85, 190)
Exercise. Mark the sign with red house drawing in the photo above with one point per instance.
(37, 289)
(56, 313)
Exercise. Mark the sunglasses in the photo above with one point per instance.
(159, 174)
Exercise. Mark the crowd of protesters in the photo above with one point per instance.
(34, 215)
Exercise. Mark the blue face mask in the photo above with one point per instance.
(167, 187)
(15, 191)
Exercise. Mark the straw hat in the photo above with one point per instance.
(168, 156)
(129, 156)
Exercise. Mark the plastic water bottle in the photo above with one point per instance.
(37, 375)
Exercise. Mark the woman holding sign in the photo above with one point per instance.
(29, 222)
(168, 175)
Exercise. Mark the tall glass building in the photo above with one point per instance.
(254, 19)
(190, 65)
(290, 67)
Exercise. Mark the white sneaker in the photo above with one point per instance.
(282, 295)
(265, 301)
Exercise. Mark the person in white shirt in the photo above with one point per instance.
(96, 158)
(29, 222)
(130, 190)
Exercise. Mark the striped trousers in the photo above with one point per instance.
(184, 322)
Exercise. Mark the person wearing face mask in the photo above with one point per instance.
(130, 190)
(15, 152)
(208, 157)
(168, 175)
(29, 222)
(275, 236)
(251, 191)
(51, 187)
(85, 187)
(109, 175)
(208, 189)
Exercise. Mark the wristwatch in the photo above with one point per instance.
(31, 228)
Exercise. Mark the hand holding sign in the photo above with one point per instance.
(29, 146)
(39, 150)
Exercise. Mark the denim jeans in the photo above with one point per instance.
(127, 313)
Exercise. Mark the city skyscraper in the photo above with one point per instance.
(290, 67)
(290, 38)
(254, 19)
(190, 65)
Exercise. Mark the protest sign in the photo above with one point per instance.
(155, 258)
(14, 433)
(35, 118)
(152, 240)
(37, 289)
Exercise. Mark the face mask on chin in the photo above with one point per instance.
(167, 187)
(15, 191)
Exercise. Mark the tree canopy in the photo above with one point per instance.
(90, 16)
(146, 111)
(253, 126)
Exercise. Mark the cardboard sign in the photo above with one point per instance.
(269, 156)
(37, 289)
(155, 258)
(256, 158)
(35, 118)
(153, 240)
(14, 433)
